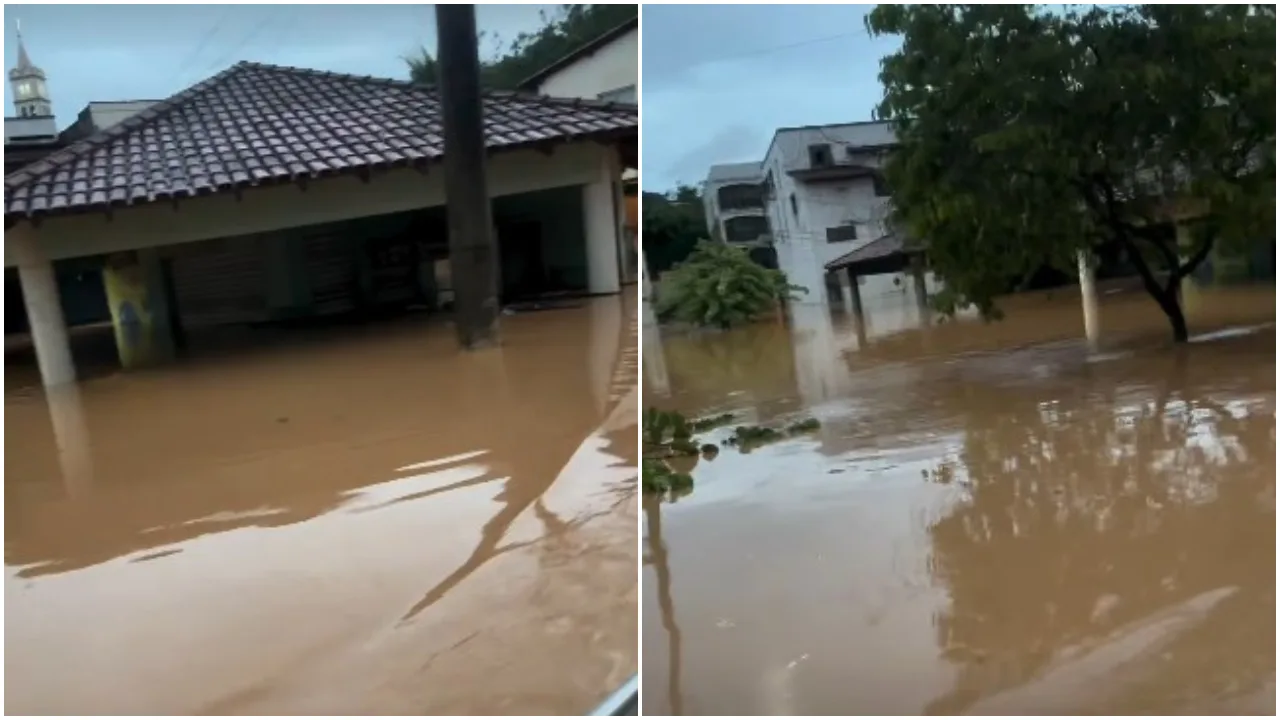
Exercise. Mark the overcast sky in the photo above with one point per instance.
(127, 52)
(718, 79)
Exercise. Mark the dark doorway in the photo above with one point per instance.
(524, 271)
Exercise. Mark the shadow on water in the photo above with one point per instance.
(990, 520)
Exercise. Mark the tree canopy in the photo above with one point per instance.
(673, 223)
(1028, 135)
(720, 286)
(562, 32)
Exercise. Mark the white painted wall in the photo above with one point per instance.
(800, 235)
(29, 128)
(276, 207)
(106, 114)
(610, 68)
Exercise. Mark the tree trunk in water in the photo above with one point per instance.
(1167, 296)
(1172, 307)
(1179, 322)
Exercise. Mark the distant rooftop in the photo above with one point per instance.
(866, 133)
(734, 171)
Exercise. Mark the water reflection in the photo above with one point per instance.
(1088, 516)
(656, 379)
(658, 560)
(71, 436)
(366, 522)
(990, 520)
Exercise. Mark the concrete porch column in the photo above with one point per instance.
(140, 309)
(646, 288)
(846, 292)
(921, 289)
(848, 279)
(44, 309)
(600, 226)
(1088, 298)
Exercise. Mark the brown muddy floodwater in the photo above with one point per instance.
(364, 521)
(990, 520)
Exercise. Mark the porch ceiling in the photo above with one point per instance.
(254, 125)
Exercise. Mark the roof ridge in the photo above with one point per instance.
(410, 85)
(312, 72)
(102, 137)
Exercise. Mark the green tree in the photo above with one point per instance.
(721, 286)
(672, 225)
(1028, 135)
(562, 32)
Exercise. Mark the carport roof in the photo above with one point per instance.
(256, 124)
(887, 253)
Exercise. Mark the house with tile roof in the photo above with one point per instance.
(269, 192)
(606, 68)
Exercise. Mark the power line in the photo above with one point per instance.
(186, 65)
(248, 38)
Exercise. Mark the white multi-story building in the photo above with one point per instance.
(733, 195)
(825, 197)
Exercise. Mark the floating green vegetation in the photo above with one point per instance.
(659, 425)
(658, 477)
(668, 435)
(746, 437)
(715, 421)
(749, 437)
(683, 446)
(804, 426)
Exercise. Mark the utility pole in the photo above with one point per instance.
(473, 255)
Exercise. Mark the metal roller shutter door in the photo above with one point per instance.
(221, 282)
(332, 273)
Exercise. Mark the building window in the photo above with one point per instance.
(741, 196)
(621, 95)
(881, 187)
(795, 207)
(820, 156)
(842, 233)
(746, 229)
(769, 188)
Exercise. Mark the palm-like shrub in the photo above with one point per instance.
(720, 286)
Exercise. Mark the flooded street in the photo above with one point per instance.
(990, 520)
(358, 521)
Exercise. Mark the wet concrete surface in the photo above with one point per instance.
(364, 521)
(991, 519)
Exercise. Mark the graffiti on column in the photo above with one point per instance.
(130, 309)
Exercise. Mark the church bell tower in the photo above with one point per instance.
(30, 95)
